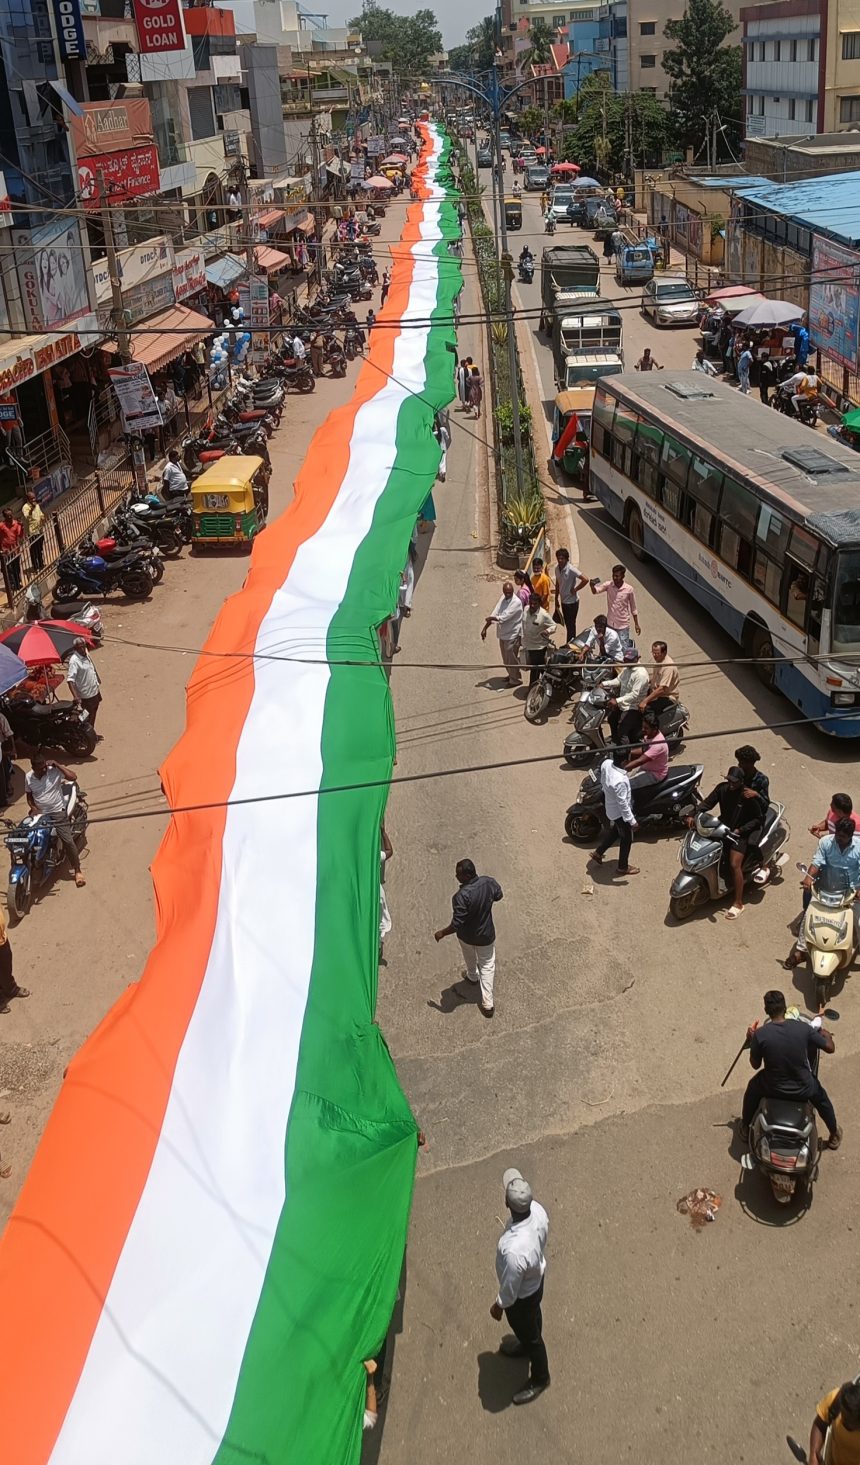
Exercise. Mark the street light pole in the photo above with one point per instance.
(508, 273)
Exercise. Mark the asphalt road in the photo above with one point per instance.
(600, 1074)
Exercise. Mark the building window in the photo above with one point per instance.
(559, 20)
(850, 45)
(761, 50)
(647, 61)
(620, 31)
(647, 28)
(777, 50)
(849, 109)
(750, 105)
(808, 110)
(761, 106)
(792, 109)
(813, 49)
(792, 50)
(651, 91)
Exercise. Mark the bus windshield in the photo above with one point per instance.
(846, 603)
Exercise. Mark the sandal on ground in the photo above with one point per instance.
(631, 870)
(733, 912)
(80, 880)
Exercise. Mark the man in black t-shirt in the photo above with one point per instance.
(785, 1046)
(472, 924)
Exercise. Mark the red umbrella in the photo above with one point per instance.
(540, 150)
(565, 168)
(44, 643)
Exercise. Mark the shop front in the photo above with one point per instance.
(171, 347)
(33, 373)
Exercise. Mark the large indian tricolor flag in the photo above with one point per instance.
(209, 1242)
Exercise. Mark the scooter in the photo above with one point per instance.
(828, 929)
(560, 676)
(549, 225)
(704, 873)
(36, 851)
(526, 270)
(783, 1139)
(81, 612)
(656, 805)
(51, 724)
(588, 736)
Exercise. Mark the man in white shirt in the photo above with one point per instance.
(43, 786)
(298, 347)
(803, 387)
(630, 688)
(508, 620)
(601, 642)
(83, 679)
(618, 806)
(538, 635)
(568, 583)
(520, 1269)
(173, 481)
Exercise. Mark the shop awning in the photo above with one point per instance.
(178, 330)
(307, 226)
(225, 271)
(269, 220)
(271, 260)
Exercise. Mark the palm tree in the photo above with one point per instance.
(540, 42)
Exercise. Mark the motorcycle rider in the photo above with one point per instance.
(549, 224)
(625, 719)
(756, 783)
(744, 817)
(651, 763)
(665, 681)
(526, 256)
(601, 642)
(538, 633)
(839, 854)
(803, 387)
(785, 1047)
(44, 788)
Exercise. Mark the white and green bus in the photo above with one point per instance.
(754, 514)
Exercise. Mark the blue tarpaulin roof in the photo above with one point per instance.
(827, 205)
(732, 184)
(225, 271)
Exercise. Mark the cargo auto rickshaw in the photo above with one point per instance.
(514, 212)
(573, 439)
(230, 501)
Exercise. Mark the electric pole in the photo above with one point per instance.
(117, 300)
(508, 273)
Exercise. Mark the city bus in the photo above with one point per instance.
(755, 515)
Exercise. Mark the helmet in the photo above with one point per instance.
(631, 653)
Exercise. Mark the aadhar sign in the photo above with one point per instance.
(834, 302)
(159, 25)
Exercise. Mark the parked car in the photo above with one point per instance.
(561, 197)
(537, 178)
(671, 301)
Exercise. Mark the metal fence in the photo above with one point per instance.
(63, 529)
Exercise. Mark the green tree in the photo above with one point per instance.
(407, 41)
(705, 73)
(540, 42)
(607, 125)
(478, 52)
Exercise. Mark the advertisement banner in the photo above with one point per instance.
(51, 274)
(356, 170)
(19, 365)
(141, 262)
(189, 274)
(126, 176)
(109, 127)
(375, 145)
(138, 402)
(70, 30)
(258, 293)
(159, 25)
(834, 302)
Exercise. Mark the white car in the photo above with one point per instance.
(671, 301)
(558, 206)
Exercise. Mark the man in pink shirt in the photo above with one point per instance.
(651, 763)
(620, 603)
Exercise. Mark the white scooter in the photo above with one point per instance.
(829, 932)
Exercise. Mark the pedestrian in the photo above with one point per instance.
(508, 620)
(370, 322)
(84, 681)
(462, 379)
(472, 924)
(299, 348)
(522, 586)
(11, 534)
(837, 1424)
(568, 583)
(43, 786)
(538, 635)
(9, 988)
(541, 583)
(618, 808)
(744, 363)
(768, 376)
(386, 286)
(475, 391)
(521, 1271)
(646, 362)
(315, 351)
(35, 522)
(174, 483)
(621, 605)
(7, 753)
(801, 342)
(385, 854)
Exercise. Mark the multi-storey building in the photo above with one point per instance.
(801, 67)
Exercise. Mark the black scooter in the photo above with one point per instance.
(656, 805)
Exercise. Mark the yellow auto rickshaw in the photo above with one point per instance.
(230, 501)
(578, 401)
(514, 212)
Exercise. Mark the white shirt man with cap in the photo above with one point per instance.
(520, 1268)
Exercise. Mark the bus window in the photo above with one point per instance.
(772, 531)
(703, 493)
(601, 422)
(738, 513)
(846, 603)
(646, 457)
(768, 577)
(796, 581)
(674, 463)
(803, 547)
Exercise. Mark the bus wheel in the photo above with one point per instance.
(635, 531)
(763, 647)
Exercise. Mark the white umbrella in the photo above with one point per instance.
(769, 313)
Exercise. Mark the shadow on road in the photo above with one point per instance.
(498, 1380)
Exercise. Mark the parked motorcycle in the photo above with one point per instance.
(655, 805)
(783, 1140)
(51, 724)
(589, 737)
(81, 612)
(36, 851)
(704, 869)
(91, 575)
(353, 342)
(334, 357)
(297, 375)
(828, 929)
(113, 549)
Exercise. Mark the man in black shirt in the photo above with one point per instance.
(754, 780)
(472, 924)
(785, 1047)
(744, 817)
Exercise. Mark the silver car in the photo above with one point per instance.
(671, 301)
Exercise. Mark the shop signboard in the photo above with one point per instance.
(146, 299)
(189, 274)
(123, 176)
(375, 145)
(70, 30)
(159, 25)
(140, 263)
(51, 274)
(356, 170)
(109, 127)
(258, 301)
(137, 400)
(834, 302)
(19, 364)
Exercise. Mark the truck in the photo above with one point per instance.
(586, 342)
(566, 267)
